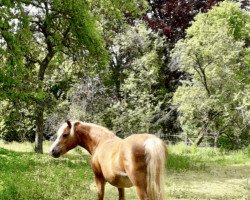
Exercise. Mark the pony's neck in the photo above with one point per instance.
(91, 135)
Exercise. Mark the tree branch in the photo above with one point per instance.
(201, 71)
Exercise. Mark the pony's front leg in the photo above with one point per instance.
(121, 193)
(100, 184)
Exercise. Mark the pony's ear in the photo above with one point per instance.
(69, 123)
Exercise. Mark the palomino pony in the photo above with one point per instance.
(138, 160)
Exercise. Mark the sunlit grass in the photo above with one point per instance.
(17, 146)
(182, 157)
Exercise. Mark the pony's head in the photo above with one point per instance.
(65, 140)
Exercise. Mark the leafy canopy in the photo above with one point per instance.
(216, 55)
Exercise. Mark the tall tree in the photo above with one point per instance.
(171, 18)
(37, 37)
(216, 55)
(135, 53)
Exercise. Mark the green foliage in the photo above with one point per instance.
(16, 123)
(138, 105)
(45, 47)
(135, 51)
(214, 53)
(14, 45)
(78, 21)
(140, 65)
(111, 15)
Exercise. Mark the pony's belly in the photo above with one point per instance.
(121, 180)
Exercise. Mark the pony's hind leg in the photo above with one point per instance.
(138, 178)
(100, 184)
(136, 169)
(121, 193)
(141, 192)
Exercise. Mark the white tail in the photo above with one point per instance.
(156, 153)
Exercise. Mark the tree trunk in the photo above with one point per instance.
(116, 68)
(216, 139)
(39, 128)
(40, 105)
(199, 139)
(39, 109)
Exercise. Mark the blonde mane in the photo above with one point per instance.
(94, 128)
(61, 129)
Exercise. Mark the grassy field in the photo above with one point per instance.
(192, 173)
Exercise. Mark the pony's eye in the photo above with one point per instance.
(65, 135)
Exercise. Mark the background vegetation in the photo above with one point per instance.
(178, 69)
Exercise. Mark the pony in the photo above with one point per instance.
(138, 160)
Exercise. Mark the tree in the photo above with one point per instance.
(39, 36)
(136, 52)
(170, 19)
(216, 55)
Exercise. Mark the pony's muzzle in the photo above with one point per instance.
(55, 152)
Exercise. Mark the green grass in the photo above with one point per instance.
(183, 158)
(32, 176)
(192, 173)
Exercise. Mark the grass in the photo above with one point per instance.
(208, 173)
(183, 158)
(31, 176)
(193, 173)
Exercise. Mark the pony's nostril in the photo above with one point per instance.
(55, 153)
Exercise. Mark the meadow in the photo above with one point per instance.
(192, 173)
